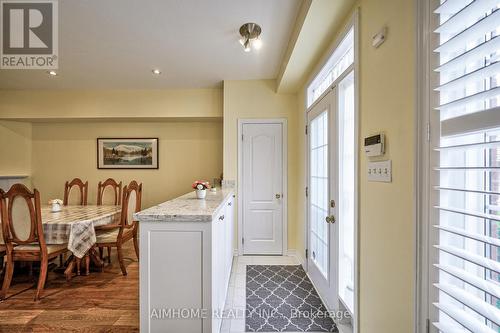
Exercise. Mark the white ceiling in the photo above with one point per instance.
(114, 44)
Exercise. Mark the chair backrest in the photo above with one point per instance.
(21, 217)
(81, 187)
(131, 203)
(2, 241)
(109, 192)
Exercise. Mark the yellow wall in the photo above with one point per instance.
(386, 216)
(61, 142)
(187, 151)
(15, 148)
(258, 99)
(386, 224)
(187, 103)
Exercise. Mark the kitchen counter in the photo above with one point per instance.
(186, 255)
(187, 208)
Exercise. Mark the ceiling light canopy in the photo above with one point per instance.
(250, 36)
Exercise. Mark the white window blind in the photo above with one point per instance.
(466, 168)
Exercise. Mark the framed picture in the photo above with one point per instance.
(124, 153)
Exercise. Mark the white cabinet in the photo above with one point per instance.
(184, 272)
(222, 258)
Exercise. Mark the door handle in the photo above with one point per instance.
(330, 219)
(278, 196)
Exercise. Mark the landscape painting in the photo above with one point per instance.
(140, 153)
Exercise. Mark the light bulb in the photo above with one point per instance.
(52, 73)
(156, 72)
(257, 43)
(247, 46)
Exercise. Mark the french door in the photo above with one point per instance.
(322, 233)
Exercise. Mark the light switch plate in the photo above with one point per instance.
(380, 171)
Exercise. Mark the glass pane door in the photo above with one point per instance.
(318, 210)
(322, 233)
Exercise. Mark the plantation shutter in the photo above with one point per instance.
(466, 168)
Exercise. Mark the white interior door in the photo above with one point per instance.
(322, 263)
(262, 188)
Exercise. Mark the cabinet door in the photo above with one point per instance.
(216, 263)
(229, 238)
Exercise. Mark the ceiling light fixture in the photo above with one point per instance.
(52, 73)
(156, 71)
(250, 36)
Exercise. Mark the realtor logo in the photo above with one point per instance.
(29, 34)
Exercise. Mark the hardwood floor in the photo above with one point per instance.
(100, 302)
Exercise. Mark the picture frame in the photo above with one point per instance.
(127, 153)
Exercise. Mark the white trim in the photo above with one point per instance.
(353, 22)
(335, 83)
(294, 253)
(355, 320)
(421, 164)
(424, 141)
(284, 124)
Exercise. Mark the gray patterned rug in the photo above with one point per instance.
(283, 299)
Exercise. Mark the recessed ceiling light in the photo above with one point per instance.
(156, 71)
(52, 73)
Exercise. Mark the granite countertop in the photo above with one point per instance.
(187, 208)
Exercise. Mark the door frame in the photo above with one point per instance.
(284, 124)
(352, 23)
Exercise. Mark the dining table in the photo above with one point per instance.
(76, 227)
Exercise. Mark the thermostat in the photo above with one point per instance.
(374, 145)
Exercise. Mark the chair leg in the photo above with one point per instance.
(120, 259)
(109, 254)
(44, 265)
(9, 270)
(101, 253)
(136, 246)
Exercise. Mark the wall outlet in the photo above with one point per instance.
(380, 171)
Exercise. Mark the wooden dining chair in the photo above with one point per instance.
(81, 187)
(2, 245)
(116, 235)
(104, 187)
(23, 234)
(109, 192)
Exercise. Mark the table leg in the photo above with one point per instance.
(87, 264)
(69, 270)
(94, 256)
(78, 265)
(74, 262)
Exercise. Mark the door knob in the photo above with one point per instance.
(278, 196)
(330, 219)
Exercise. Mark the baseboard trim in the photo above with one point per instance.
(290, 253)
(294, 253)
